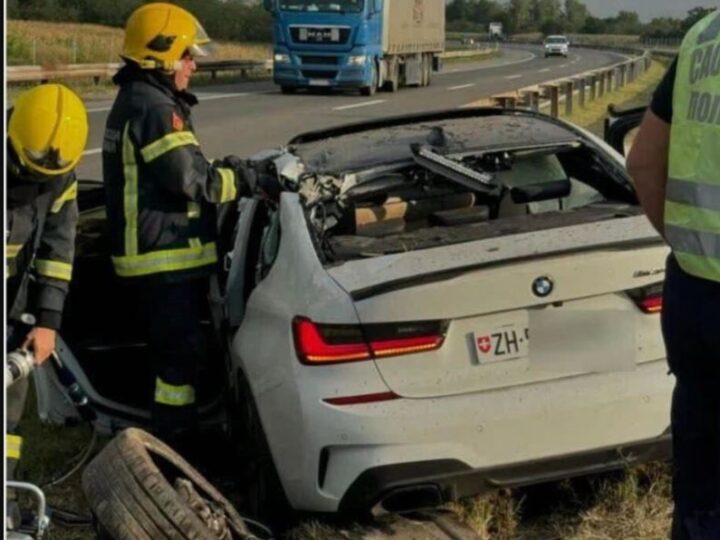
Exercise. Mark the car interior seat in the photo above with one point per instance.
(535, 184)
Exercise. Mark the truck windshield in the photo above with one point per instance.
(342, 6)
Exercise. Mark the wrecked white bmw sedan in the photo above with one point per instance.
(437, 305)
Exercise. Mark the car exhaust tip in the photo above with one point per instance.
(409, 499)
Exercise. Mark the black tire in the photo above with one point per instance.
(393, 81)
(129, 488)
(265, 497)
(288, 89)
(429, 65)
(370, 90)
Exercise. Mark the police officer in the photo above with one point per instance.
(675, 163)
(47, 131)
(162, 195)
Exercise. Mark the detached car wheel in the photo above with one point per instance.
(140, 489)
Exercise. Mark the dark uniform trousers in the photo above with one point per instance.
(692, 338)
(173, 314)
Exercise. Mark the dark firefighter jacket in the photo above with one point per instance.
(40, 227)
(161, 191)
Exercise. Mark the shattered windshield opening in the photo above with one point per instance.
(341, 6)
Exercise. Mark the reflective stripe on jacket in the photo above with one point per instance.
(41, 223)
(161, 190)
(692, 200)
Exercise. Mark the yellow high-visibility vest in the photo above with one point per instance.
(692, 199)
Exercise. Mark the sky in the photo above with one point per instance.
(647, 9)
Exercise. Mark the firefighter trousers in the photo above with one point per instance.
(173, 315)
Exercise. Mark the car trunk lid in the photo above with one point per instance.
(504, 326)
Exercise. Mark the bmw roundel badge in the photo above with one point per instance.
(543, 286)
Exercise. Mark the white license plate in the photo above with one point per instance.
(503, 343)
(319, 82)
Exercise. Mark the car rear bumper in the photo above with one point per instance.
(391, 486)
(337, 456)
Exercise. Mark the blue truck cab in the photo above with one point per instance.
(327, 43)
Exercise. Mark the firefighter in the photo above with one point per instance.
(162, 198)
(46, 136)
(675, 163)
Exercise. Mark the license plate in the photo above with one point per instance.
(319, 82)
(504, 343)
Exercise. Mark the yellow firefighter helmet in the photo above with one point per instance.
(157, 35)
(48, 129)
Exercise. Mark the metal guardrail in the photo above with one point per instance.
(588, 86)
(100, 71)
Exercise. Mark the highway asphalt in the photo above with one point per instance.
(246, 117)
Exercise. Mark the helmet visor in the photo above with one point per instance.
(201, 46)
(47, 160)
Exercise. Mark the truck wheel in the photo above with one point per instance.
(370, 90)
(429, 66)
(424, 71)
(140, 489)
(393, 81)
(288, 89)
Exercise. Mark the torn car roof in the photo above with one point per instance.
(341, 152)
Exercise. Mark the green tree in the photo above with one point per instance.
(520, 16)
(662, 28)
(695, 15)
(546, 10)
(626, 22)
(576, 14)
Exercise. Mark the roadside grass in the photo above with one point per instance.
(50, 43)
(473, 58)
(47, 452)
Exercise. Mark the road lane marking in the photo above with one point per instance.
(92, 152)
(356, 105)
(563, 65)
(460, 87)
(544, 70)
(513, 77)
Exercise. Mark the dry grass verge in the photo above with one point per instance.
(50, 43)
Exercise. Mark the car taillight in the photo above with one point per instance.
(649, 299)
(317, 343)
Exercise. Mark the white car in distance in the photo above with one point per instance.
(556, 46)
